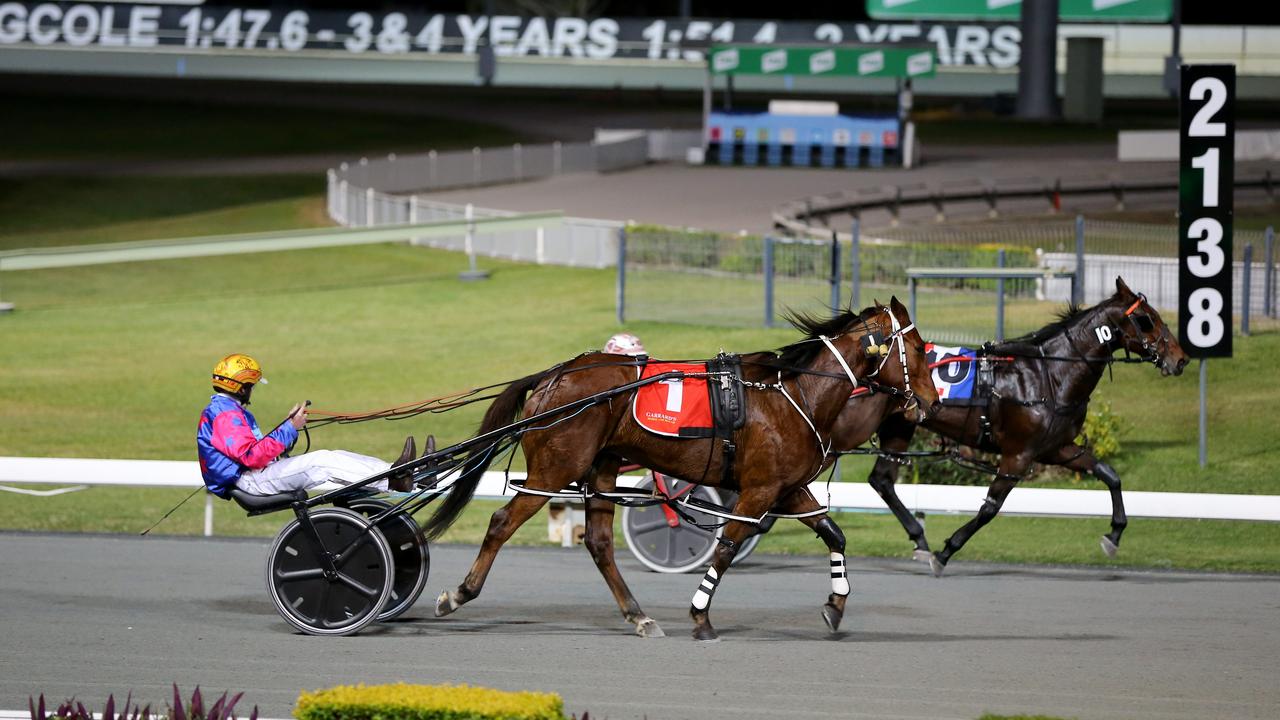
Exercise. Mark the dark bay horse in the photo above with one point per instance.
(1039, 398)
(793, 400)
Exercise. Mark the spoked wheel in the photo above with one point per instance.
(345, 601)
(408, 550)
(665, 542)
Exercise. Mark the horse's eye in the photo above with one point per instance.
(1144, 323)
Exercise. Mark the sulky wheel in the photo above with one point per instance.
(665, 542)
(321, 603)
(408, 549)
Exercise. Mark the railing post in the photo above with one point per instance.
(1269, 274)
(835, 272)
(1204, 422)
(911, 291)
(5, 307)
(331, 193)
(1000, 298)
(855, 251)
(1246, 296)
(344, 202)
(768, 281)
(368, 207)
(1077, 283)
(621, 301)
(208, 514)
(472, 273)
(413, 216)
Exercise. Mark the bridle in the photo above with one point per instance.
(874, 346)
(1151, 351)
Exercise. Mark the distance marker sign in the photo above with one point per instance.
(1206, 172)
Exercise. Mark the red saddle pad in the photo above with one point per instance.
(679, 407)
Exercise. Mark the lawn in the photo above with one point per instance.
(57, 211)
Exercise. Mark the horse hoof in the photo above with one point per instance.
(1109, 547)
(832, 616)
(921, 555)
(648, 628)
(936, 565)
(445, 604)
(705, 635)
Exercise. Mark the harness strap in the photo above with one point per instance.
(824, 447)
(839, 358)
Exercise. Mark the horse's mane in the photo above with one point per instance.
(803, 352)
(1066, 318)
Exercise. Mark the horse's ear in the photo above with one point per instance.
(896, 305)
(1122, 288)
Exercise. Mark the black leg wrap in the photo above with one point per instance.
(729, 544)
(1106, 474)
(830, 534)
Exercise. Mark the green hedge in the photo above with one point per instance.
(887, 264)
(401, 701)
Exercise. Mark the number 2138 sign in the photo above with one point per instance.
(1206, 170)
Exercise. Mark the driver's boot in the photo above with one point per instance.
(403, 482)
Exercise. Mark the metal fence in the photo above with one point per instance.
(379, 192)
(1145, 255)
(974, 197)
(422, 172)
(710, 278)
(575, 242)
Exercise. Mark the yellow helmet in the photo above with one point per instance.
(235, 371)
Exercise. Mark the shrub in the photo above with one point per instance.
(1102, 429)
(401, 701)
(1101, 435)
(72, 709)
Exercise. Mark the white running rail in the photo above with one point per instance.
(856, 496)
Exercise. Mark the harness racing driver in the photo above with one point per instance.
(235, 454)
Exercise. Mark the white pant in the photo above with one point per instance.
(303, 472)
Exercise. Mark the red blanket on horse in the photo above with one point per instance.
(677, 407)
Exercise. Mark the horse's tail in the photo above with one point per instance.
(502, 412)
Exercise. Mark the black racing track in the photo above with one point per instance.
(92, 615)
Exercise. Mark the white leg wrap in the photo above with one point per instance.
(702, 598)
(839, 580)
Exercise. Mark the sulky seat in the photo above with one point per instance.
(259, 504)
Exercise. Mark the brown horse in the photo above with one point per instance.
(1039, 398)
(793, 400)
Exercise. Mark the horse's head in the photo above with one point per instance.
(1143, 331)
(901, 362)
